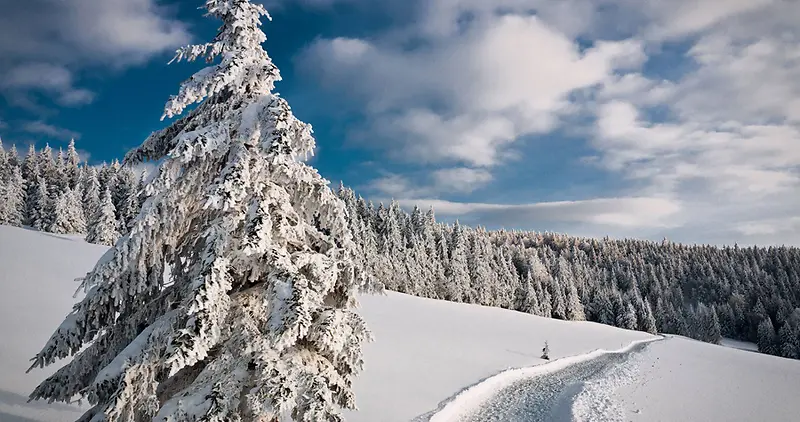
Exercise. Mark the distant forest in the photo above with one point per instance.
(703, 292)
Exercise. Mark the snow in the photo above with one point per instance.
(738, 344)
(425, 350)
(37, 272)
(427, 353)
(681, 379)
(465, 402)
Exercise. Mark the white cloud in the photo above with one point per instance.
(729, 143)
(395, 186)
(439, 182)
(42, 128)
(44, 44)
(48, 78)
(458, 98)
(461, 179)
(754, 81)
(115, 32)
(627, 213)
(684, 17)
(710, 140)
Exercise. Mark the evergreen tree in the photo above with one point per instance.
(69, 217)
(766, 337)
(12, 157)
(649, 325)
(458, 269)
(47, 166)
(627, 319)
(41, 213)
(91, 192)
(255, 322)
(72, 165)
(30, 167)
(5, 167)
(12, 195)
(102, 228)
(574, 306)
(126, 198)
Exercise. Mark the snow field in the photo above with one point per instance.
(680, 379)
(425, 350)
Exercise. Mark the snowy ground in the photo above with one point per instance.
(681, 379)
(738, 344)
(426, 351)
(429, 353)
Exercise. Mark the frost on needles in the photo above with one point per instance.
(231, 299)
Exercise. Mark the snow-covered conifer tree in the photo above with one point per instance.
(767, 341)
(41, 213)
(627, 319)
(47, 165)
(12, 157)
(91, 193)
(12, 208)
(5, 168)
(574, 307)
(69, 217)
(102, 228)
(72, 165)
(126, 198)
(649, 320)
(255, 321)
(30, 164)
(458, 269)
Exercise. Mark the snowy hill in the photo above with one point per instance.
(426, 351)
(683, 379)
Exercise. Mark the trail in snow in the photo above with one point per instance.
(546, 394)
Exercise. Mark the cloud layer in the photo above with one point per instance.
(693, 107)
(45, 45)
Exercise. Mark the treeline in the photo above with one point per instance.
(56, 193)
(703, 292)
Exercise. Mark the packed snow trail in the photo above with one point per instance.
(547, 396)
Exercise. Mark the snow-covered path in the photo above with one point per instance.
(549, 396)
(544, 395)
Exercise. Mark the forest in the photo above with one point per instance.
(700, 291)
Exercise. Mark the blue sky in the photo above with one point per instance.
(616, 117)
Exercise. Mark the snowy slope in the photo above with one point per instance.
(682, 379)
(426, 351)
(36, 288)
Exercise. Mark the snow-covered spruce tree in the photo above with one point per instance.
(102, 229)
(69, 217)
(91, 192)
(41, 214)
(255, 320)
(5, 168)
(12, 208)
(72, 165)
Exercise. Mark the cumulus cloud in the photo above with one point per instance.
(108, 32)
(639, 212)
(52, 79)
(458, 98)
(44, 43)
(461, 179)
(42, 128)
(710, 135)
